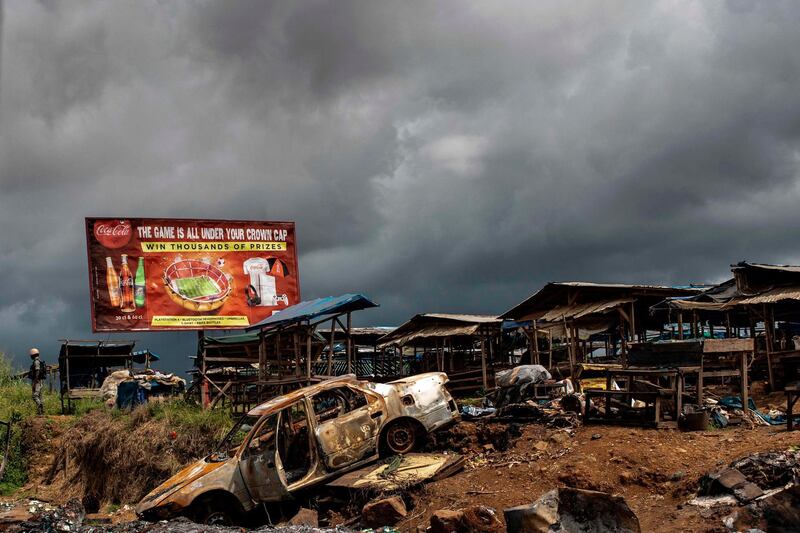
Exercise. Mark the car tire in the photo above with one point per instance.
(401, 437)
(213, 512)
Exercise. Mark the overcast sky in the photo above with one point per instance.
(436, 156)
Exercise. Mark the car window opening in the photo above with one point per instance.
(234, 439)
(294, 446)
(333, 403)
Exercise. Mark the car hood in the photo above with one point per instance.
(189, 474)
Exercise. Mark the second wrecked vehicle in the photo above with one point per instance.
(302, 439)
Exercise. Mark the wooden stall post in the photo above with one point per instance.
(744, 380)
(768, 332)
(278, 355)
(483, 365)
(296, 349)
(535, 353)
(349, 344)
(309, 332)
(728, 331)
(330, 347)
(680, 325)
(262, 356)
(450, 361)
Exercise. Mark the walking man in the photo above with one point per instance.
(37, 374)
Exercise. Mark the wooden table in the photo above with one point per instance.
(652, 398)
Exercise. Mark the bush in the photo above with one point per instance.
(138, 450)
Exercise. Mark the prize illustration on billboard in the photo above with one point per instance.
(165, 274)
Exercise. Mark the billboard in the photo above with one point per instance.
(154, 274)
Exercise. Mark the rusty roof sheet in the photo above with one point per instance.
(764, 266)
(438, 325)
(463, 318)
(769, 297)
(558, 294)
(582, 310)
(429, 332)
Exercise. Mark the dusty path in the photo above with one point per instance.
(655, 470)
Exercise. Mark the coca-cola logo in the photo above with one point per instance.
(113, 233)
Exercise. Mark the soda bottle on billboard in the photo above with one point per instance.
(112, 280)
(127, 304)
(139, 284)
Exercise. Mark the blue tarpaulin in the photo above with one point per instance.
(311, 309)
(735, 402)
(129, 395)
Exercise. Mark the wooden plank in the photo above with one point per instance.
(728, 345)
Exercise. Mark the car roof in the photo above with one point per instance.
(279, 402)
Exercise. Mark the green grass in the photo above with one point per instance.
(179, 415)
(16, 402)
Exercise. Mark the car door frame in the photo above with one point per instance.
(268, 467)
(335, 452)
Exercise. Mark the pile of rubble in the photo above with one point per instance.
(528, 393)
(760, 492)
(40, 517)
(563, 510)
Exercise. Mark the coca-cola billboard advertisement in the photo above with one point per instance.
(148, 274)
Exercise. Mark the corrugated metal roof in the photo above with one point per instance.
(782, 268)
(463, 318)
(692, 305)
(309, 310)
(770, 296)
(581, 310)
(430, 332)
(561, 293)
(366, 330)
(438, 325)
(622, 285)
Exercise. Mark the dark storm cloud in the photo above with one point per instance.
(435, 155)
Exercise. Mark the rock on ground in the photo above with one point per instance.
(472, 519)
(570, 510)
(384, 512)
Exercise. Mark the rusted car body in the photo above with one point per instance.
(302, 439)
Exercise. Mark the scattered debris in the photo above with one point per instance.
(572, 510)
(469, 437)
(473, 519)
(383, 512)
(519, 383)
(401, 472)
(304, 517)
(729, 481)
(767, 483)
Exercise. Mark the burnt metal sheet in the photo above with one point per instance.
(313, 309)
(771, 296)
(558, 293)
(439, 325)
(412, 469)
(582, 310)
(691, 305)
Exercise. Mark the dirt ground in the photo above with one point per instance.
(655, 470)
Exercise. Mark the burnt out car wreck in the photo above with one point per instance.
(301, 440)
